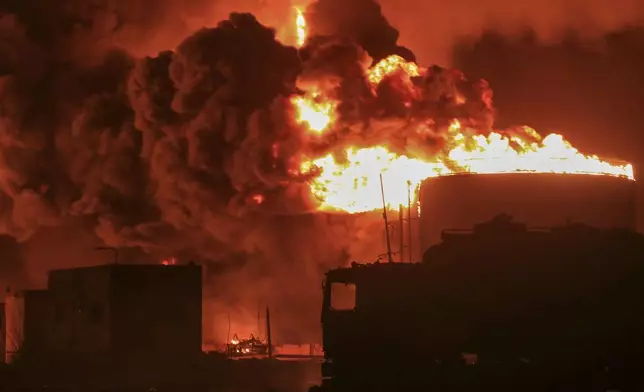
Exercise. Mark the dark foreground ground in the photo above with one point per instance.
(209, 375)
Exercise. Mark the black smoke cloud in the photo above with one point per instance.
(359, 20)
(431, 27)
(165, 155)
(344, 38)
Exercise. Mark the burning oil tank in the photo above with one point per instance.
(538, 199)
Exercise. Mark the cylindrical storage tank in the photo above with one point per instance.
(14, 325)
(536, 199)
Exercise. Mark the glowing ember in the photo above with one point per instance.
(352, 183)
(170, 261)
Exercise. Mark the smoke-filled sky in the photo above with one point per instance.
(102, 145)
(428, 27)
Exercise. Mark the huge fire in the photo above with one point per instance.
(353, 184)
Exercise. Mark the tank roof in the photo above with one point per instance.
(531, 173)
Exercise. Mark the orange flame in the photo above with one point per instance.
(314, 110)
(353, 184)
(169, 261)
(300, 27)
(389, 66)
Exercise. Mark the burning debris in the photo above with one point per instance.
(250, 347)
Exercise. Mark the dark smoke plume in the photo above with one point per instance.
(359, 20)
(166, 154)
(431, 28)
(347, 36)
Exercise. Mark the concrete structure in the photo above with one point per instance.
(26, 328)
(3, 333)
(125, 318)
(539, 200)
(127, 312)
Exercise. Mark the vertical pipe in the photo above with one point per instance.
(228, 350)
(384, 215)
(268, 333)
(401, 221)
(409, 219)
(259, 325)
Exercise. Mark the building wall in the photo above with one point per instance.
(37, 313)
(128, 315)
(3, 333)
(80, 310)
(156, 312)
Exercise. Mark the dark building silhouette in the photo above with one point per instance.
(3, 333)
(499, 307)
(141, 312)
(36, 331)
(120, 323)
(536, 199)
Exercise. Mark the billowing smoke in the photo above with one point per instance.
(194, 152)
(360, 20)
(430, 28)
(166, 154)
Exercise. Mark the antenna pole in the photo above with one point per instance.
(384, 216)
(259, 325)
(409, 219)
(402, 231)
(269, 339)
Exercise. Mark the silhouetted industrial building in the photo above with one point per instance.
(131, 320)
(536, 199)
(129, 311)
(543, 304)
